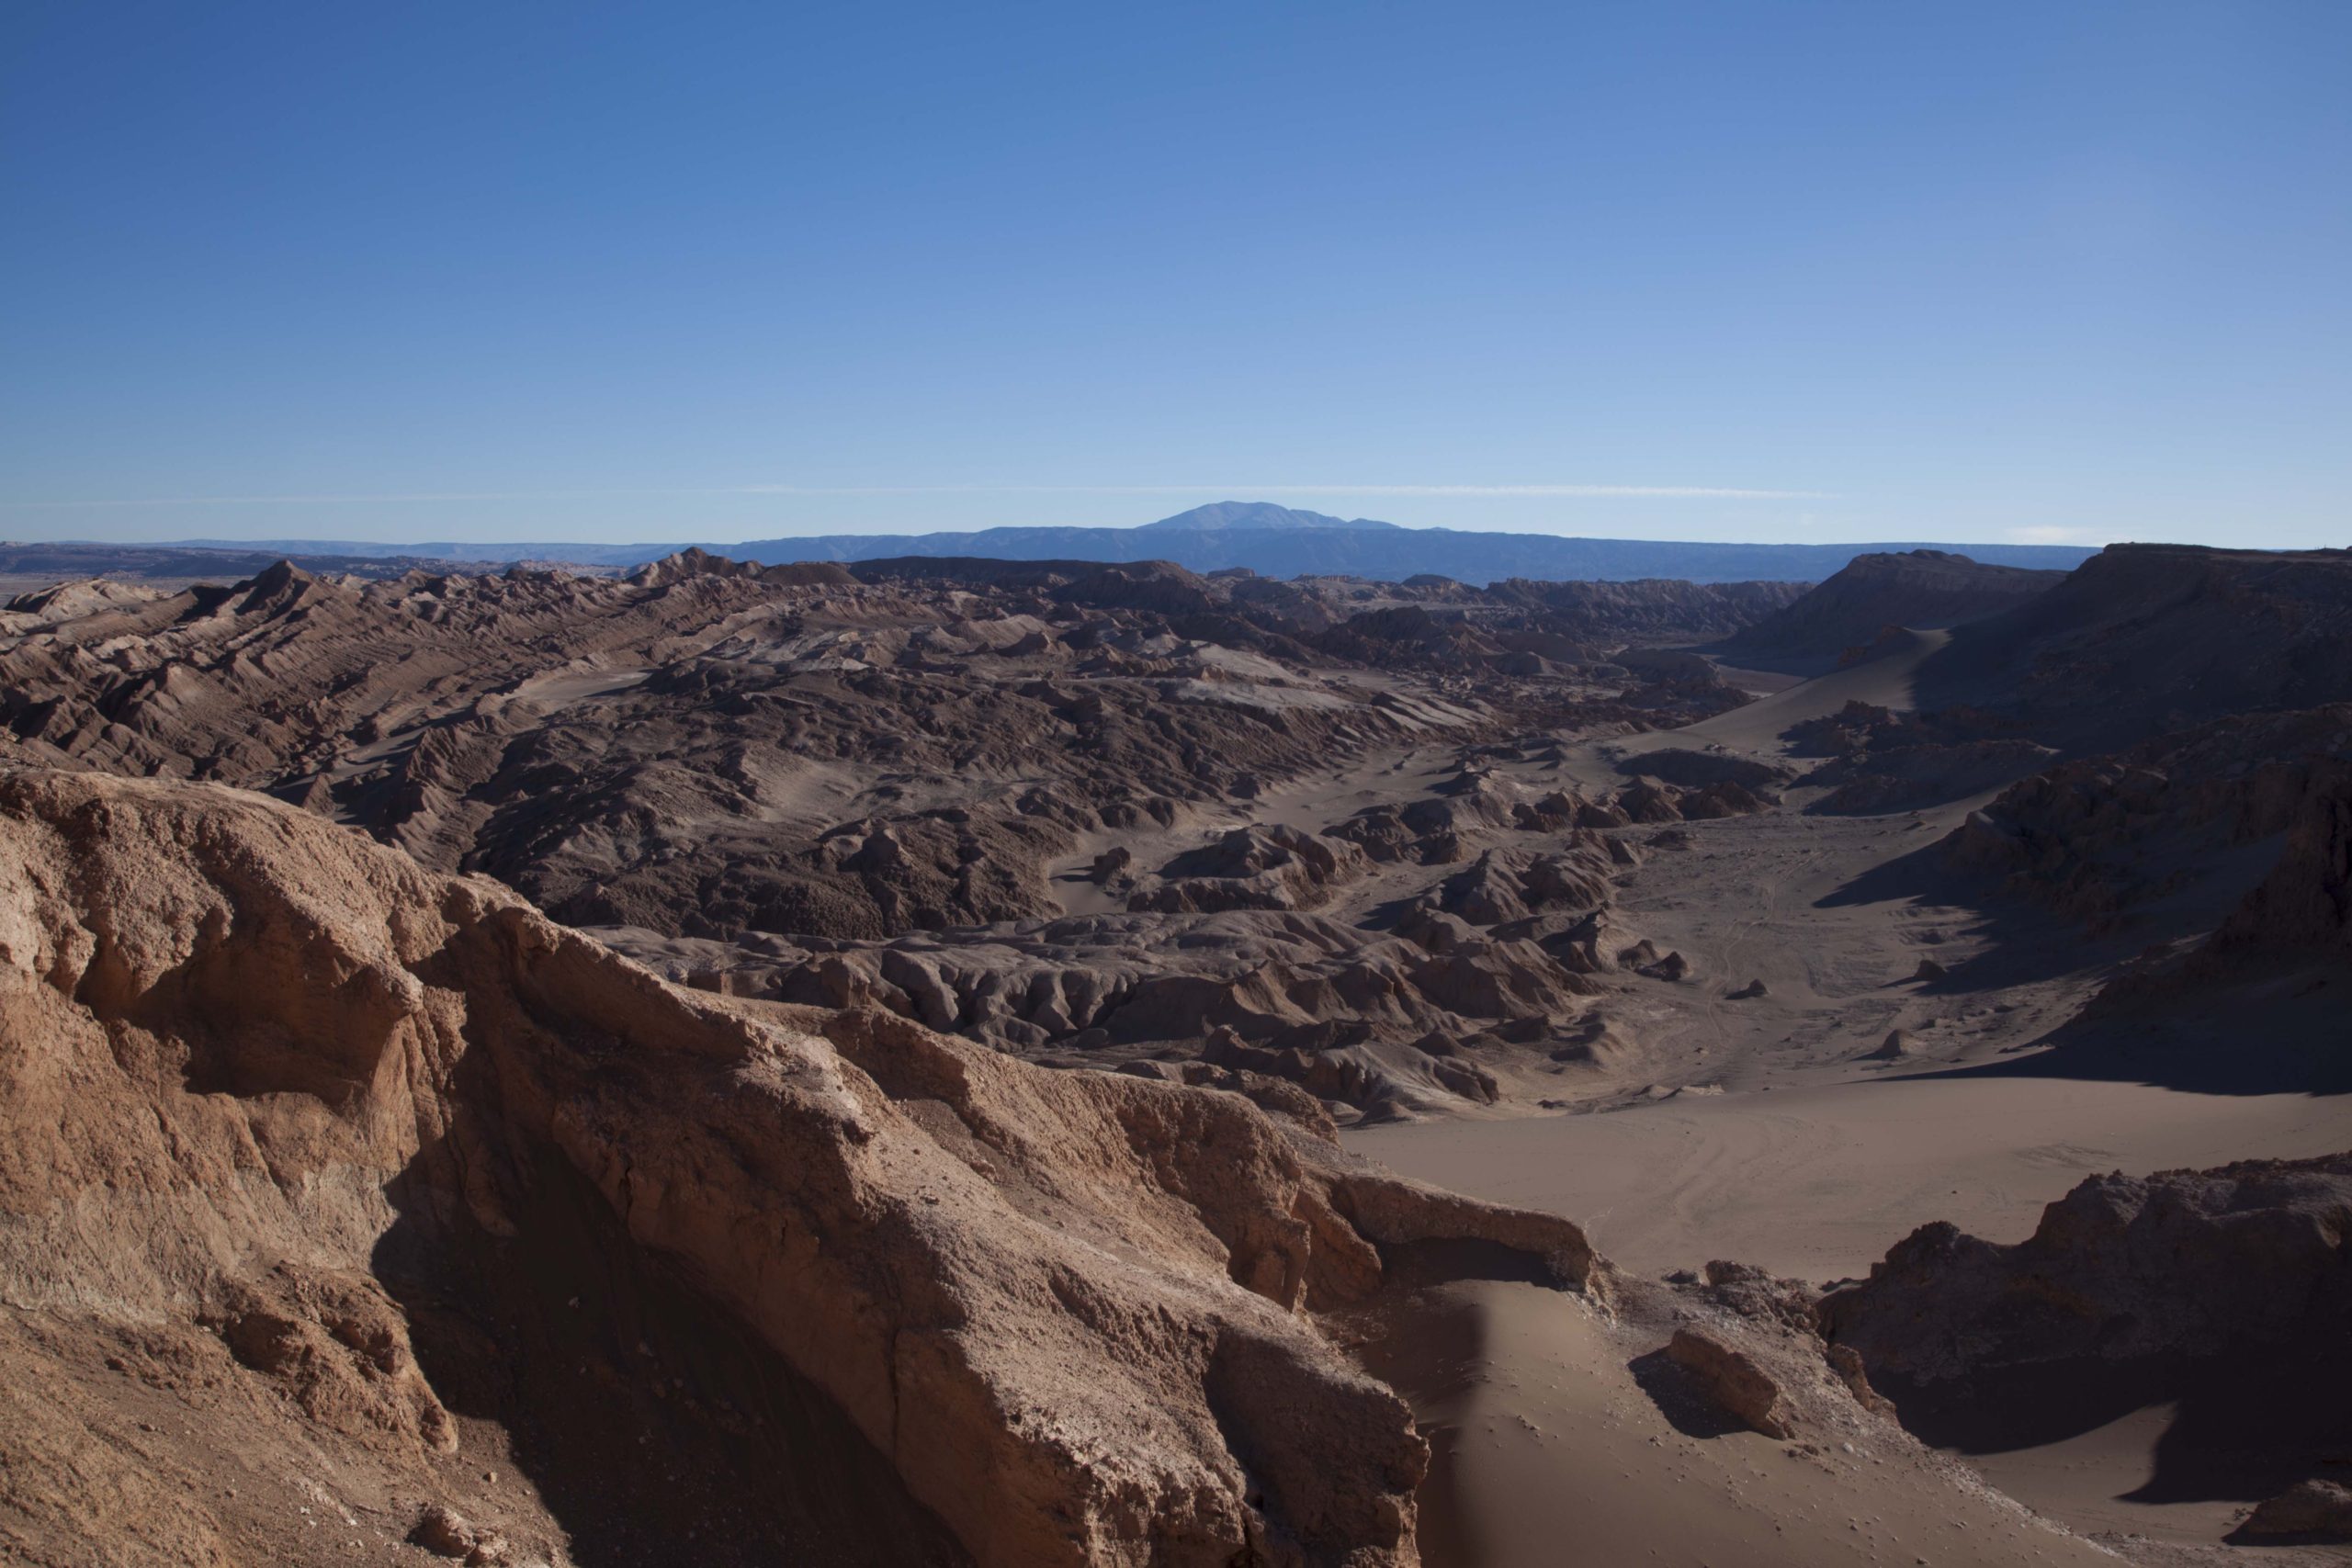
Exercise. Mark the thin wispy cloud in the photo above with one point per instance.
(1565, 491)
(1666, 492)
(1669, 492)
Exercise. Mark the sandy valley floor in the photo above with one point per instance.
(1773, 1137)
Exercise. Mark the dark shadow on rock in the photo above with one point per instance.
(1417, 1265)
(1681, 1398)
(2027, 1407)
(1383, 916)
(655, 1427)
(2023, 942)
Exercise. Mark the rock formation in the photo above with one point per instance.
(709, 746)
(921, 1145)
(2307, 1511)
(2184, 1263)
(2098, 838)
(287, 1112)
(1732, 1380)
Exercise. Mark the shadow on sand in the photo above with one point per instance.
(2273, 1024)
(2286, 1033)
(2244, 1427)
(1680, 1398)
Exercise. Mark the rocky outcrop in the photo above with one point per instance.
(445, 1532)
(1105, 990)
(1698, 769)
(1900, 1044)
(2181, 1264)
(1733, 1380)
(711, 746)
(2312, 1511)
(2304, 905)
(706, 746)
(1272, 867)
(1504, 885)
(1441, 827)
(1874, 783)
(281, 1086)
(2098, 839)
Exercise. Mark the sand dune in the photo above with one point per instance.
(1550, 1450)
(1885, 681)
(1815, 1181)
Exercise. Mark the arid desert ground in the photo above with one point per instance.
(953, 1060)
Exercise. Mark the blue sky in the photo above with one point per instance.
(515, 271)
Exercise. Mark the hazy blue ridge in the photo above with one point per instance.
(1329, 546)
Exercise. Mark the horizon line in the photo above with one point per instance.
(1562, 492)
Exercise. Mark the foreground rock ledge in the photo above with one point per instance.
(247, 1054)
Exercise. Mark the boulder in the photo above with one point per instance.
(2309, 1511)
(1732, 1380)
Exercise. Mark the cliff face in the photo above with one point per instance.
(2220, 1296)
(333, 1135)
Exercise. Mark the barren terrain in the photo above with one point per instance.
(1100, 938)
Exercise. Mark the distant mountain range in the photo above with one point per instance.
(1394, 554)
(1272, 540)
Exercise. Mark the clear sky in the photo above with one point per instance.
(504, 270)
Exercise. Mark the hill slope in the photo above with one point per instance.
(2144, 638)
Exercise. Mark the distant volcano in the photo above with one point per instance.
(1258, 515)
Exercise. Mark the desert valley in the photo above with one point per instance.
(1226, 786)
(958, 1060)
